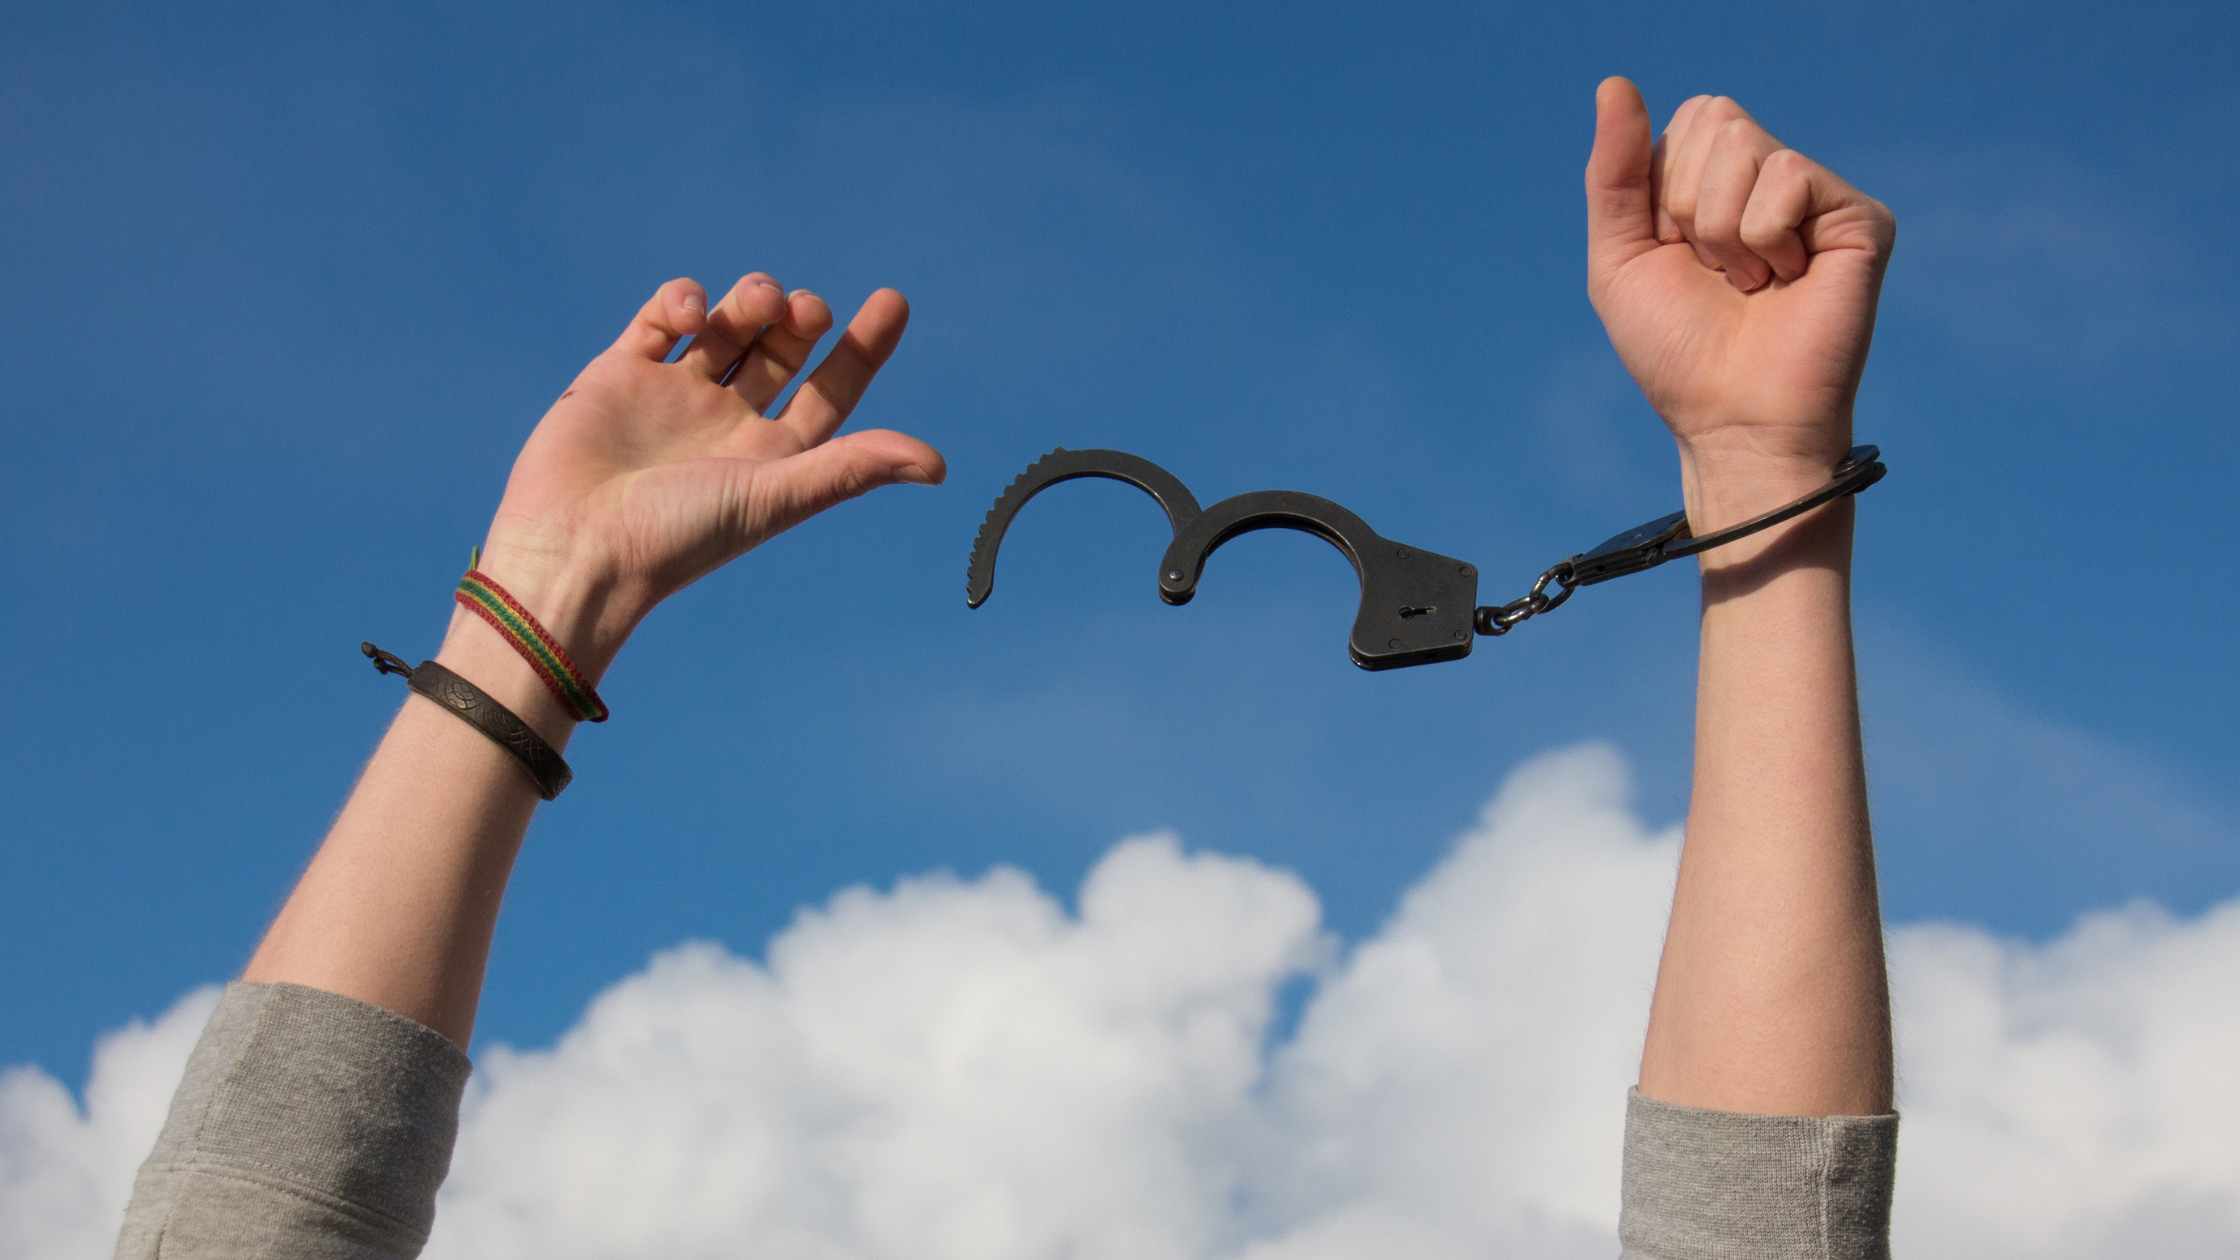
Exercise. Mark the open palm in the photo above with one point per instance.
(648, 474)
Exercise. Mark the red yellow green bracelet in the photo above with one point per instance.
(479, 594)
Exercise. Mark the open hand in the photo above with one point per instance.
(1737, 279)
(646, 474)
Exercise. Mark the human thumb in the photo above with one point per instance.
(1621, 217)
(793, 489)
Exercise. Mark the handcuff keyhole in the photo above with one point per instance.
(1410, 610)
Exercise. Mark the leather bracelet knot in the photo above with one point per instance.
(475, 707)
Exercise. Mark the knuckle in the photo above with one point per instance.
(1685, 111)
(751, 506)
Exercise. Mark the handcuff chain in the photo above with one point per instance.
(1502, 618)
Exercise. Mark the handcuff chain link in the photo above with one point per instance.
(1502, 618)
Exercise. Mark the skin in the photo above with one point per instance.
(643, 476)
(1737, 281)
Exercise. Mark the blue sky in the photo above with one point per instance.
(285, 292)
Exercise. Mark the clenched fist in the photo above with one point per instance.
(1737, 279)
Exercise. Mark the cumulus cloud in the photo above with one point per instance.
(966, 1067)
(66, 1169)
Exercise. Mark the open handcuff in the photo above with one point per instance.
(1417, 606)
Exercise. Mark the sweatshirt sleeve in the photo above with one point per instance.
(1702, 1184)
(307, 1125)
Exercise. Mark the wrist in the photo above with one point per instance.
(475, 652)
(586, 614)
(583, 603)
(1721, 488)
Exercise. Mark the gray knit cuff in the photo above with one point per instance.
(1719, 1185)
(330, 1095)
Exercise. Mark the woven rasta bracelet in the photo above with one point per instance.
(489, 601)
(473, 705)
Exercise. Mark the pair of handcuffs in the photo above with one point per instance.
(1417, 606)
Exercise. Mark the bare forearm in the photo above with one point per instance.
(399, 905)
(647, 473)
(1771, 994)
(644, 475)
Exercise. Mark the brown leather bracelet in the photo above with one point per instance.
(473, 705)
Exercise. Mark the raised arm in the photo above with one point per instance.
(317, 1113)
(1737, 279)
(643, 476)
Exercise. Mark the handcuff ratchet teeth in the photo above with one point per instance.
(1417, 606)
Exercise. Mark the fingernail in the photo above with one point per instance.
(915, 474)
(766, 282)
(693, 301)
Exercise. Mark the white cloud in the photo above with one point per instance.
(2075, 1099)
(966, 1068)
(65, 1169)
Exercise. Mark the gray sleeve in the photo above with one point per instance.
(1703, 1184)
(307, 1125)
